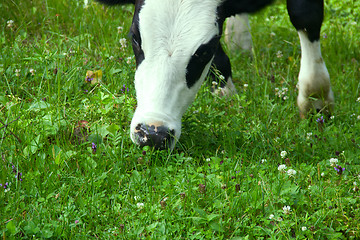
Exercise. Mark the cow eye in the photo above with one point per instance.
(199, 60)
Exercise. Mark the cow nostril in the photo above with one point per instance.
(159, 137)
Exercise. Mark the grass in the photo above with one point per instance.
(72, 171)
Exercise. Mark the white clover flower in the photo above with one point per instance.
(303, 228)
(291, 172)
(32, 71)
(140, 205)
(271, 216)
(10, 23)
(282, 168)
(120, 29)
(286, 209)
(123, 43)
(308, 135)
(283, 154)
(333, 161)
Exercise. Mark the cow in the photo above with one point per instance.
(176, 41)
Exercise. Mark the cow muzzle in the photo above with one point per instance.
(155, 135)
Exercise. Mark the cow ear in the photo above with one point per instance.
(232, 7)
(115, 2)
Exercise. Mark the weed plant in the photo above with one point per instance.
(245, 167)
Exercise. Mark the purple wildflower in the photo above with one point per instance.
(76, 221)
(339, 169)
(89, 79)
(320, 120)
(93, 147)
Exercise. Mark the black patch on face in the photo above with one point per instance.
(135, 35)
(199, 60)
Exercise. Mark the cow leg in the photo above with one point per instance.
(314, 82)
(237, 33)
(220, 74)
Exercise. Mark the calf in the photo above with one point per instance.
(176, 41)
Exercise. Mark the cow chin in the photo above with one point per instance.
(157, 130)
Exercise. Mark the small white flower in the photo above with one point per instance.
(332, 117)
(111, 57)
(214, 83)
(208, 159)
(283, 154)
(358, 99)
(32, 71)
(136, 198)
(322, 174)
(333, 161)
(353, 23)
(272, 34)
(285, 98)
(10, 23)
(279, 54)
(286, 209)
(291, 172)
(221, 77)
(120, 29)
(263, 160)
(128, 60)
(308, 135)
(303, 229)
(358, 117)
(123, 43)
(246, 85)
(271, 216)
(17, 72)
(282, 168)
(140, 205)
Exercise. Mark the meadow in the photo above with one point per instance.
(245, 167)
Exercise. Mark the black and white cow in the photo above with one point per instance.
(176, 41)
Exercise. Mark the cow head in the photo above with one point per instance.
(174, 42)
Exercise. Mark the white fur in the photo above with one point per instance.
(314, 80)
(169, 39)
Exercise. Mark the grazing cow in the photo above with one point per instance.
(176, 41)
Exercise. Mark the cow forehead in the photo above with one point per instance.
(177, 27)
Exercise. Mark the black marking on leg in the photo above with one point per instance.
(220, 66)
(307, 15)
